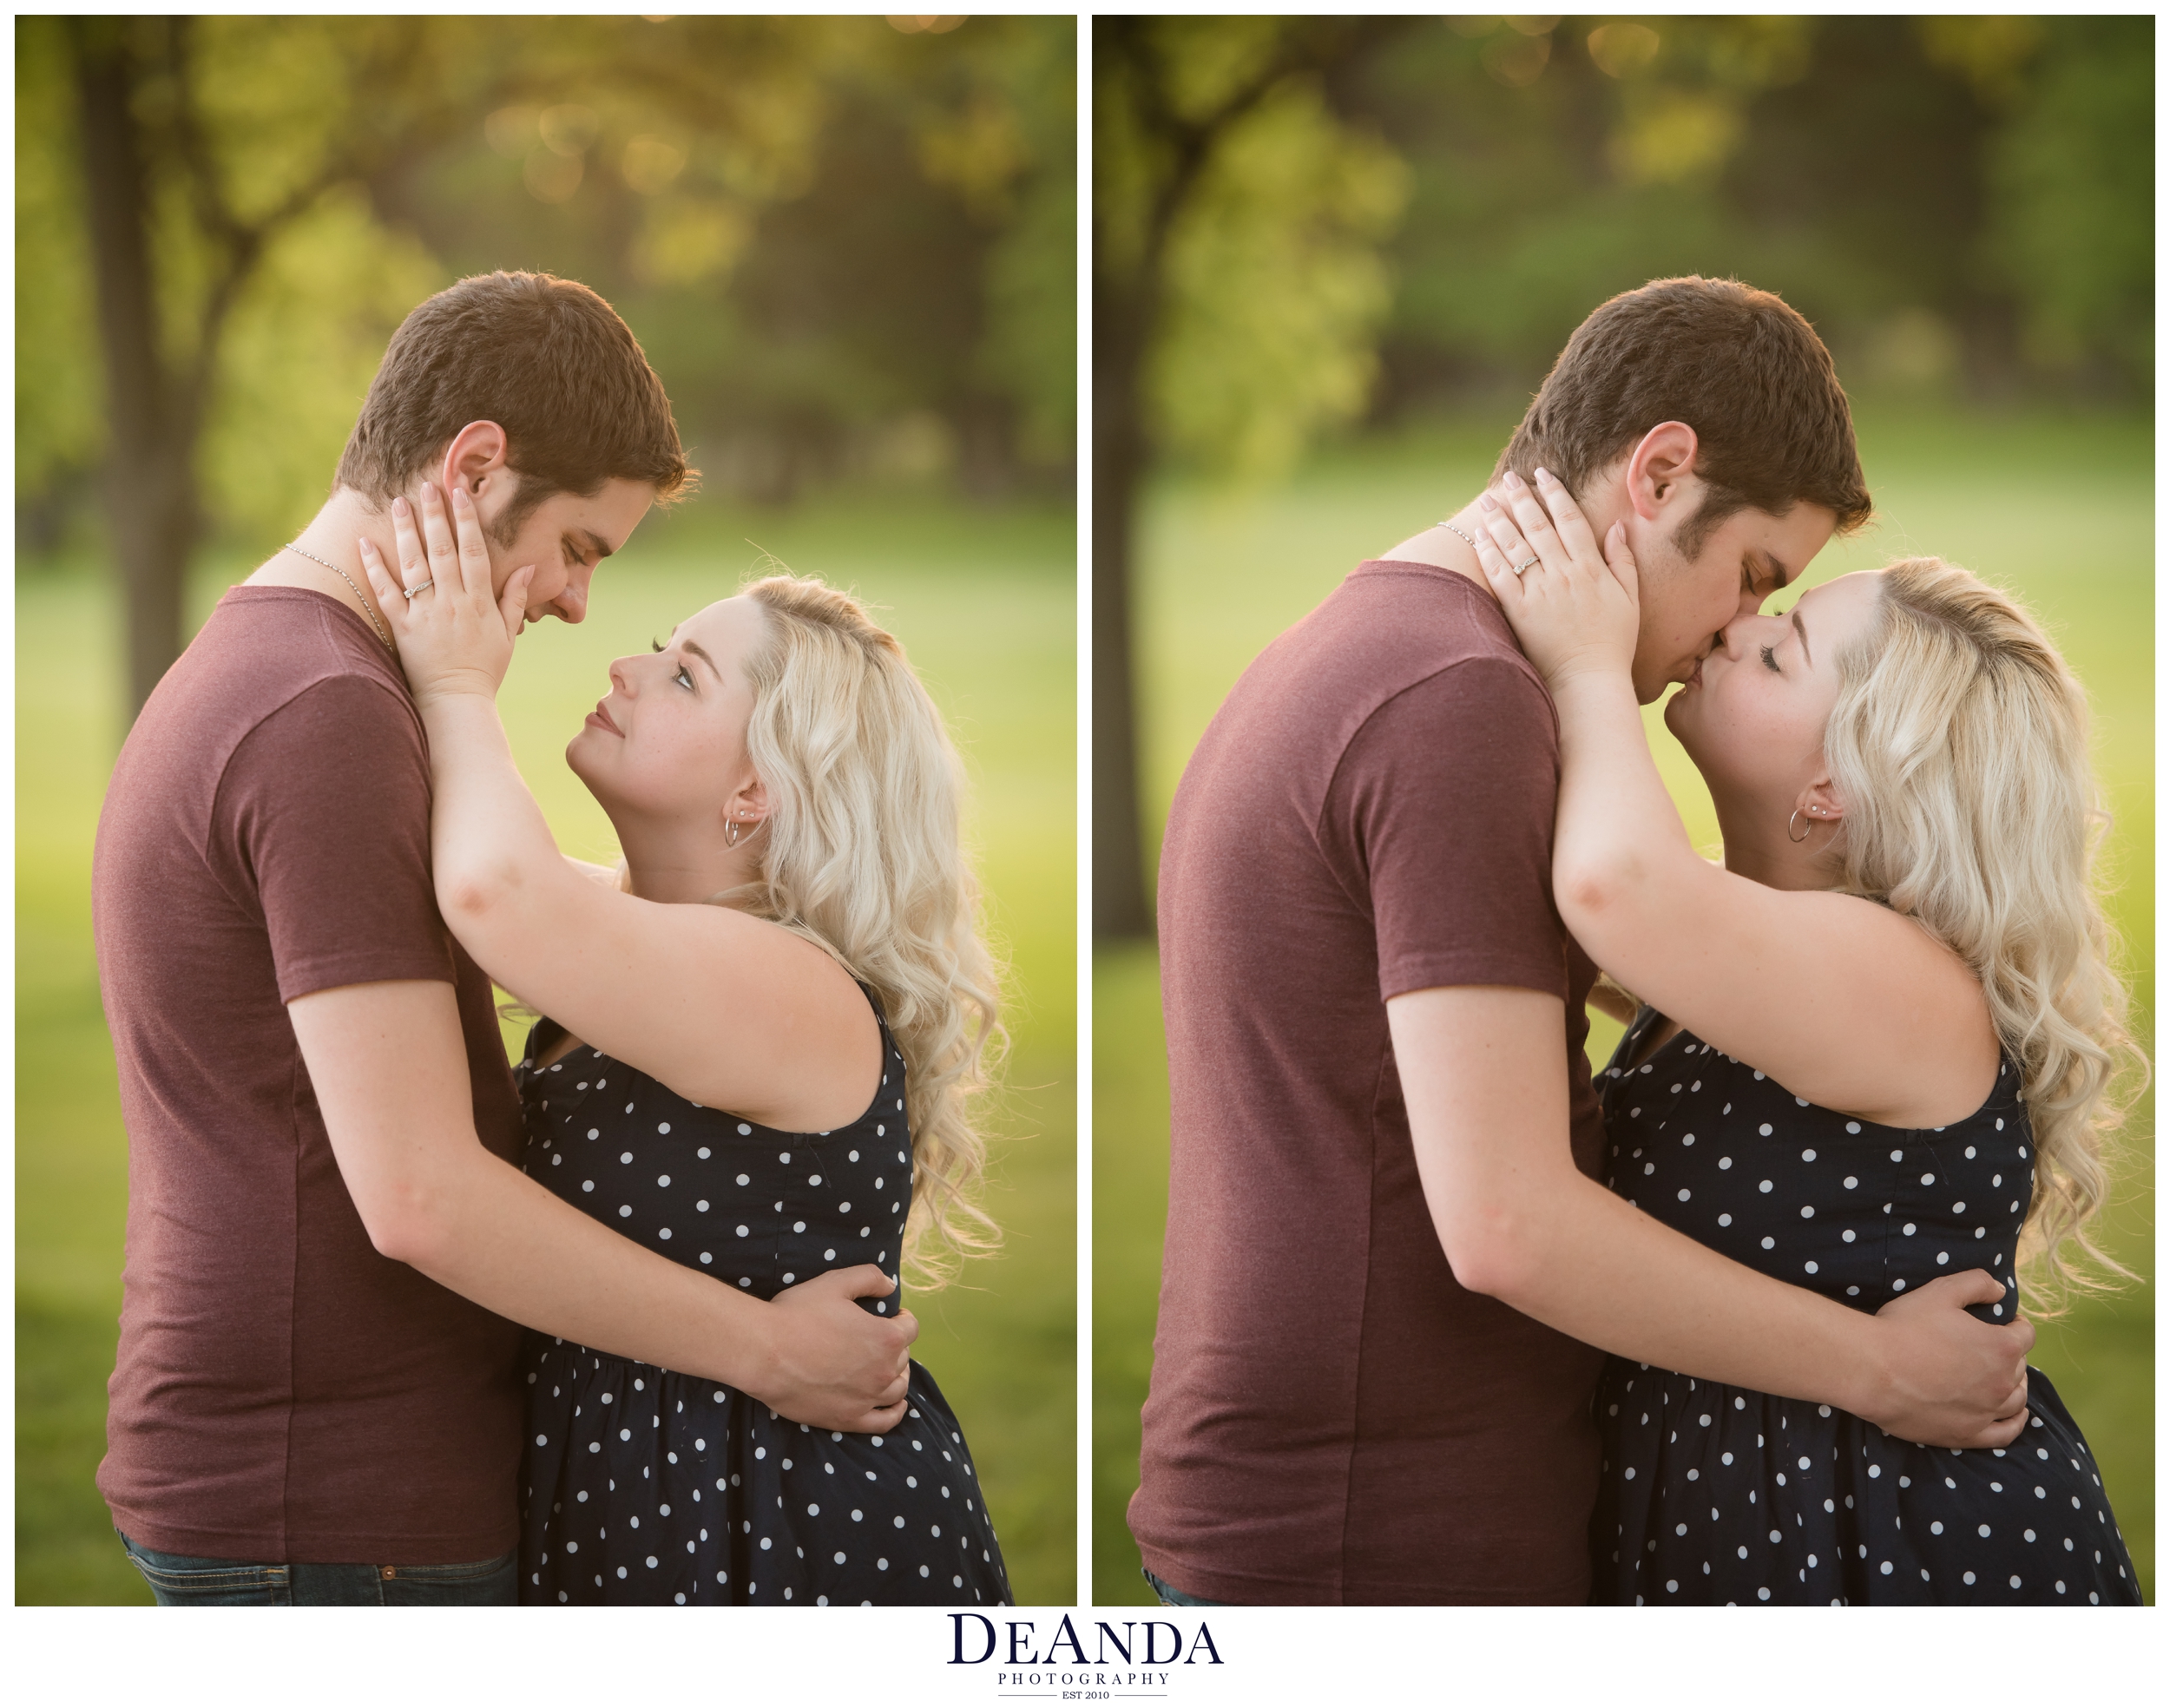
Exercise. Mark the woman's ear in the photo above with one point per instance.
(1819, 803)
(748, 808)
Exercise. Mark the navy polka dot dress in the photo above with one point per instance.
(1711, 1494)
(642, 1486)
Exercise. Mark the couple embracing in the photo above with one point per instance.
(1867, 1062)
(748, 1099)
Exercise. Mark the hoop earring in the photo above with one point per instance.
(1790, 837)
(731, 833)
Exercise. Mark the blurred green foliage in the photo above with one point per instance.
(848, 249)
(1422, 212)
(2056, 506)
(1230, 198)
(1956, 202)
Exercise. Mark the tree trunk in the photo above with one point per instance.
(1119, 907)
(150, 493)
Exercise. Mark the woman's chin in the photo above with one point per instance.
(579, 755)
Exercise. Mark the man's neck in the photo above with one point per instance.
(1443, 549)
(329, 560)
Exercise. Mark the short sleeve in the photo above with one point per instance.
(324, 808)
(1446, 797)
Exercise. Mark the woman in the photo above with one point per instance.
(1876, 1048)
(761, 1042)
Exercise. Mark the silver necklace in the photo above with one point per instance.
(1479, 550)
(349, 580)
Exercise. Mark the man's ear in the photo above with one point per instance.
(1660, 479)
(475, 460)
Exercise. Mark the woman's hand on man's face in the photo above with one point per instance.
(1573, 604)
(455, 635)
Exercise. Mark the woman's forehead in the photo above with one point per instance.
(738, 617)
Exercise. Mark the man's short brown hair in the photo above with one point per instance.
(1738, 365)
(544, 357)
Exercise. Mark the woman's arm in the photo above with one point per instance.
(1842, 1002)
(729, 1011)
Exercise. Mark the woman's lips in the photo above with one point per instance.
(602, 717)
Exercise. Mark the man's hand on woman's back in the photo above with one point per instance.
(1950, 1379)
(836, 1364)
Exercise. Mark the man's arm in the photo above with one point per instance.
(391, 1077)
(1483, 1072)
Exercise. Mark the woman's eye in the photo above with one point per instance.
(1770, 660)
(683, 677)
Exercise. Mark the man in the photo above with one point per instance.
(1384, 1223)
(314, 1398)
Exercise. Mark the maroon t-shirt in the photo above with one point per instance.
(283, 1393)
(1332, 1418)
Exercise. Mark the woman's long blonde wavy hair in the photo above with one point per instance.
(1959, 747)
(862, 854)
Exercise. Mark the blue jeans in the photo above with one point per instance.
(1172, 1597)
(187, 1580)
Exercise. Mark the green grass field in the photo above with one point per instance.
(2060, 511)
(985, 603)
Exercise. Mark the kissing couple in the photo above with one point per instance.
(1446, 1318)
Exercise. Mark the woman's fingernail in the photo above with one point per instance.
(1544, 475)
(459, 497)
(399, 507)
(1485, 503)
(1513, 479)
